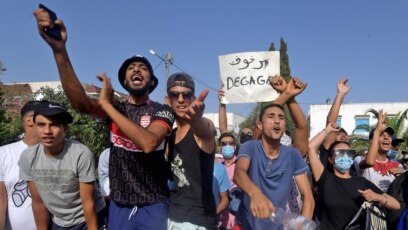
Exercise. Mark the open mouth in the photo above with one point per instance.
(136, 79)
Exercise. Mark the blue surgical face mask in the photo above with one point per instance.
(227, 151)
(343, 164)
(392, 154)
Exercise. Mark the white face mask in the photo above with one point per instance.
(406, 156)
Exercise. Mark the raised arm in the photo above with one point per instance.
(288, 92)
(69, 80)
(146, 139)
(222, 113)
(375, 145)
(342, 90)
(314, 161)
(261, 206)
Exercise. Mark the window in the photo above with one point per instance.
(338, 121)
(362, 124)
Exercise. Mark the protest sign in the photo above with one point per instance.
(245, 76)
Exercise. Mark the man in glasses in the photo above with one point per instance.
(228, 149)
(138, 171)
(191, 153)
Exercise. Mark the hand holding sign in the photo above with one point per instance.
(196, 108)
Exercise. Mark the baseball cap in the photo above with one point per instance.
(137, 58)
(180, 79)
(53, 109)
(389, 130)
(396, 141)
(31, 106)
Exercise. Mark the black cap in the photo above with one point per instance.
(137, 58)
(396, 141)
(180, 79)
(52, 109)
(31, 106)
(388, 129)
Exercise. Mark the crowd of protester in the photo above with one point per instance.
(155, 176)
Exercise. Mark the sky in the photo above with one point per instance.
(364, 41)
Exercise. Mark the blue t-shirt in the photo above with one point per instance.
(272, 176)
(221, 181)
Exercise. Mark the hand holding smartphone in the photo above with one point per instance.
(54, 31)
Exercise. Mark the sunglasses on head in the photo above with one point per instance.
(342, 152)
(224, 143)
(187, 95)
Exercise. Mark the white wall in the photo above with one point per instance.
(233, 121)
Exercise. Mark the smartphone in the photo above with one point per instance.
(54, 31)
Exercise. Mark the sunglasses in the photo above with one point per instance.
(187, 95)
(247, 133)
(224, 143)
(342, 152)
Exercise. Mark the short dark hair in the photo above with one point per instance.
(227, 134)
(331, 148)
(269, 106)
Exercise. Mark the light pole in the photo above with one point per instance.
(168, 61)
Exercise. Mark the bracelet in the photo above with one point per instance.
(386, 200)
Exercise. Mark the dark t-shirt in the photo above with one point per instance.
(191, 197)
(340, 198)
(324, 155)
(137, 178)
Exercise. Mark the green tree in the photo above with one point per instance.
(85, 129)
(284, 60)
(397, 122)
(10, 125)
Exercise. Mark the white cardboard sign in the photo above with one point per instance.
(245, 76)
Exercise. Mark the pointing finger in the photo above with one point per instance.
(203, 95)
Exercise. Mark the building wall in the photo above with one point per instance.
(348, 114)
(233, 121)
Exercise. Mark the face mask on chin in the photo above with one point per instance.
(343, 164)
(227, 151)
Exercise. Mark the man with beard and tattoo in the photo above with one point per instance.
(138, 171)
